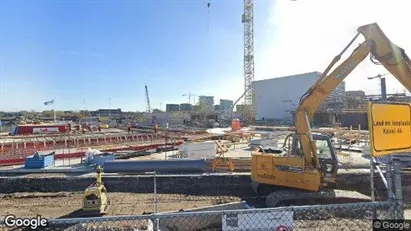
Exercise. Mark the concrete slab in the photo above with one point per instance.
(239, 153)
(219, 131)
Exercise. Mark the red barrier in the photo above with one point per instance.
(82, 140)
(18, 161)
(79, 142)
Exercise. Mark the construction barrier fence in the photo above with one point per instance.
(352, 216)
(67, 145)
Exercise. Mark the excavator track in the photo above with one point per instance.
(291, 197)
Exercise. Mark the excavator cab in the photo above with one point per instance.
(325, 152)
(328, 157)
(289, 168)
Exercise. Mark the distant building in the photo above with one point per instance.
(217, 107)
(93, 121)
(47, 118)
(355, 99)
(186, 107)
(8, 118)
(336, 100)
(241, 108)
(172, 107)
(206, 102)
(399, 98)
(73, 118)
(111, 113)
(355, 94)
(196, 108)
(226, 105)
(276, 98)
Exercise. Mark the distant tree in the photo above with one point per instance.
(48, 113)
(84, 113)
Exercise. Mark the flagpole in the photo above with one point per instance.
(54, 110)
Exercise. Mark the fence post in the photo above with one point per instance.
(157, 225)
(398, 190)
(390, 186)
(391, 196)
(372, 186)
(155, 192)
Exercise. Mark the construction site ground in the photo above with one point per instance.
(56, 195)
(65, 204)
(240, 154)
(61, 195)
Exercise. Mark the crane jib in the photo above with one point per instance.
(346, 70)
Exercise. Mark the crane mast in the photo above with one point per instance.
(148, 101)
(189, 97)
(248, 21)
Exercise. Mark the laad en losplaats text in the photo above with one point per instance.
(393, 126)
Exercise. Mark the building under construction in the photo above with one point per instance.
(350, 109)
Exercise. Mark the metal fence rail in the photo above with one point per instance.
(353, 216)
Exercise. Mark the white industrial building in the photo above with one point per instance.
(276, 98)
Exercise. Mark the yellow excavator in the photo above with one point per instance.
(304, 170)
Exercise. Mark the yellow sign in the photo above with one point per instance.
(389, 125)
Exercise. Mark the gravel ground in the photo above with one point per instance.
(352, 158)
(60, 205)
(55, 205)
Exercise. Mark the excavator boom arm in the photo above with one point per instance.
(392, 57)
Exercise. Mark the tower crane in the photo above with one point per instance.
(247, 19)
(153, 118)
(148, 101)
(189, 97)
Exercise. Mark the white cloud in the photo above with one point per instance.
(305, 35)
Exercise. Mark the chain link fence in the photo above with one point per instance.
(352, 216)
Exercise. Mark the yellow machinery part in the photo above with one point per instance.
(224, 163)
(95, 196)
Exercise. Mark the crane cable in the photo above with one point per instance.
(208, 16)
